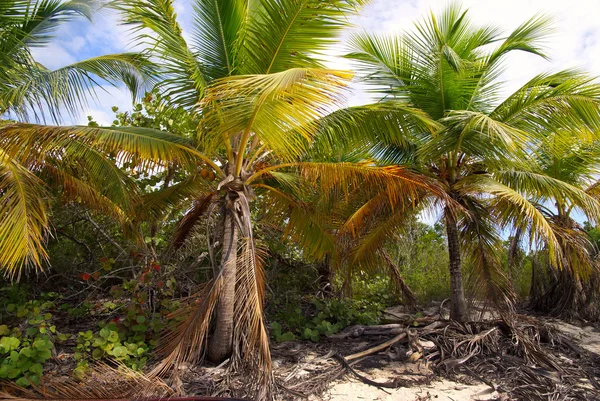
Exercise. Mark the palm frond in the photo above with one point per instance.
(183, 77)
(68, 86)
(24, 221)
(191, 219)
(217, 34)
(389, 122)
(529, 37)
(144, 148)
(541, 188)
(303, 224)
(482, 246)
(33, 24)
(280, 109)
(512, 209)
(566, 100)
(287, 34)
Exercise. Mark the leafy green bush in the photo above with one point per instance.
(24, 350)
(323, 318)
(23, 356)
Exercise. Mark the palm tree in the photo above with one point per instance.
(252, 76)
(253, 80)
(448, 69)
(569, 289)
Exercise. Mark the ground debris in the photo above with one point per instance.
(521, 358)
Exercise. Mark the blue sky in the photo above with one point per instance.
(576, 42)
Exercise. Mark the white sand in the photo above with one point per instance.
(587, 337)
(351, 389)
(441, 390)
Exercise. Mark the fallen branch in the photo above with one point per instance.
(377, 348)
(360, 330)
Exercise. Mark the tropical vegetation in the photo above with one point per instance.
(242, 179)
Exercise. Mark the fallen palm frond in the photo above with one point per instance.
(103, 383)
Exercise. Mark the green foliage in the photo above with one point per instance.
(26, 347)
(374, 289)
(322, 318)
(421, 253)
(112, 341)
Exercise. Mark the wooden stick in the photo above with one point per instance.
(378, 348)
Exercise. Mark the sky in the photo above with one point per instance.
(575, 42)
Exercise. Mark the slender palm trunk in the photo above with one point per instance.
(458, 308)
(221, 342)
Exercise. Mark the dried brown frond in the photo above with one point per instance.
(187, 342)
(190, 219)
(103, 382)
(400, 285)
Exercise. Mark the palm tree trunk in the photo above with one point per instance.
(221, 342)
(458, 308)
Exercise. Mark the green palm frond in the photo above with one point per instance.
(566, 100)
(31, 90)
(24, 221)
(544, 188)
(218, 35)
(144, 147)
(389, 122)
(280, 109)
(479, 136)
(529, 37)
(288, 34)
(33, 23)
(155, 21)
(512, 209)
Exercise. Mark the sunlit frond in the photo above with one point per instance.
(281, 109)
(218, 35)
(24, 218)
(183, 77)
(543, 187)
(566, 100)
(144, 147)
(512, 209)
(288, 34)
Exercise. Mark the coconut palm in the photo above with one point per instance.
(252, 76)
(252, 79)
(571, 288)
(448, 68)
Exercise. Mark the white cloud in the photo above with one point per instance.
(76, 43)
(53, 56)
(575, 43)
(100, 108)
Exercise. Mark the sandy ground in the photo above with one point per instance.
(438, 390)
(351, 389)
(587, 337)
